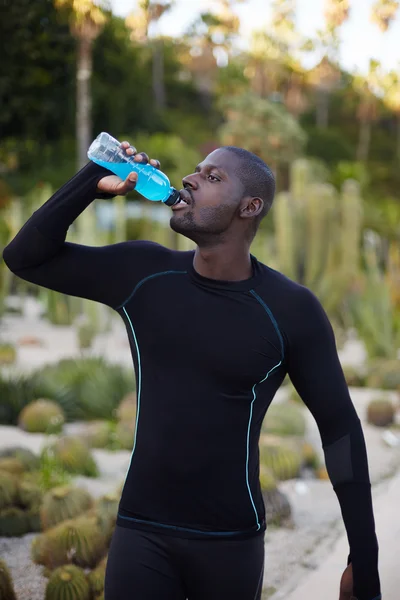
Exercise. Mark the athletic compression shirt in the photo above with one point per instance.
(209, 357)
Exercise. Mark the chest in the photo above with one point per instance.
(228, 336)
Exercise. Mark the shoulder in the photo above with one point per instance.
(286, 288)
(153, 253)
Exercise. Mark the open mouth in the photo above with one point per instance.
(186, 200)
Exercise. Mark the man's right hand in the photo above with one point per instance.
(112, 184)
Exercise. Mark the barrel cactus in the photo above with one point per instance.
(309, 456)
(63, 503)
(98, 434)
(29, 459)
(267, 480)
(277, 507)
(74, 456)
(68, 582)
(106, 510)
(42, 416)
(78, 541)
(8, 490)
(11, 465)
(6, 583)
(126, 410)
(384, 374)
(96, 579)
(354, 376)
(284, 462)
(29, 494)
(285, 418)
(380, 412)
(14, 522)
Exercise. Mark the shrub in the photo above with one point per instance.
(380, 412)
(8, 354)
(74, 456)
(354, 376)
(384, 374)
(126, 410)
(42, 416)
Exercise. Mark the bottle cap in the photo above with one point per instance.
(173, 198)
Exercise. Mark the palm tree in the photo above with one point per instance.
(367, 112)
(384, 12)
(324, 77)
(139, 22)
(87, 20)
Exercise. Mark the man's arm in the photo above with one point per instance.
(39, 253)
(316, 373)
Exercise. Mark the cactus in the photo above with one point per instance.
(106, 510)
(267, 480)
(285, 419)
(284, 462)
(68, 583)
(124, 434)
(74, 456)
(78, 541)
(98, 434)
(29, 494)
(6, 584)
(380, 412)
(63, 503)
(38, 550)
(354, 376)
(29, 460)
(96, 579)
(13, 522)
(277, 507)
(8, 490)
(317, 233)
(126, 410)
(8, 354)
(11, 465)
(384, 374)
(42, 416)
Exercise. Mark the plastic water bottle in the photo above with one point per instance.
(152, 183)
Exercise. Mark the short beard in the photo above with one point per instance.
(212, 230)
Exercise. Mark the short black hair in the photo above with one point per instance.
(257, 178)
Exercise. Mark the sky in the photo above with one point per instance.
(361, 39)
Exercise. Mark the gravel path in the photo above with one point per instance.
(29, 584)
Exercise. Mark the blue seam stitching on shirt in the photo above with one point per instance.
(274, 322)
(146, 279)
(248, 437)
(175, 527)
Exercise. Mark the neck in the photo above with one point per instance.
(226, 262)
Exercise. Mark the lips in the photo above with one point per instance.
(186, 200)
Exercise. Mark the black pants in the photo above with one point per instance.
(150, 566)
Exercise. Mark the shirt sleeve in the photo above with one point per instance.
(40, 254)
(315, 370)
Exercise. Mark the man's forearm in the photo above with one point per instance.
(45, 231)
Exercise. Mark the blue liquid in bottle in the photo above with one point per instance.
(152, 183)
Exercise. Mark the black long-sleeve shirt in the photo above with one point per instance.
(209, 357)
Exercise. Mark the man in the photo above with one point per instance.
(213, 333)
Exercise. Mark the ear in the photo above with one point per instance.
(250, 207)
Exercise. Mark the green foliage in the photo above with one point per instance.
(76, 541)
(285, 418)
(42, 416)
(329, 145)
(96, 579)
(68, 583)
(284, 462)
(309, 456)
(98, 434)
(124, 435)
(85, 388)
(126, 410)
(29, 494)
(380, 412)
(52, 472)
(355, 376)
(74, 456)
(63, 503)
(105, 511)
(372, 309)
(262, 127)
(15, 393)
(8, 354)
(384, 374)
(267, 479)
(11, 465)
(6, 583)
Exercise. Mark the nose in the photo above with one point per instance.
(190, 181)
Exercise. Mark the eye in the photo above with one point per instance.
(213, 177)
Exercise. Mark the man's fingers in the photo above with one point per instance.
(142, 157)
(130, 150)
(155, 163)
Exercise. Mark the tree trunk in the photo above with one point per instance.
(322, 109)
(364, 140)
(83, 99)
(158, 74)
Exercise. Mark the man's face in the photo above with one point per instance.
(213, 193)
